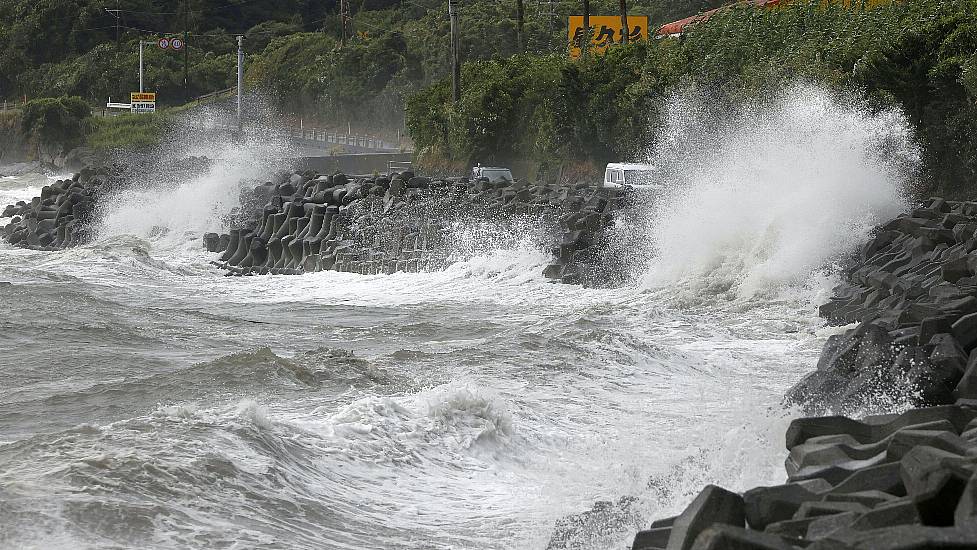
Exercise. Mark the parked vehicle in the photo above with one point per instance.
(620, 174)
(492, 173)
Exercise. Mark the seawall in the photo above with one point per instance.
(891, 481)
(306, 222)
(862, 481)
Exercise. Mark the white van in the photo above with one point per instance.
(494, 174)
(620, 174)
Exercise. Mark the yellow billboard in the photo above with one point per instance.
(142, 102)
(605, 31)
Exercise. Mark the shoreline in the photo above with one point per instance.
(848, 481)
(889, 481)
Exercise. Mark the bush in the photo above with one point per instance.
(919, 55)
(62, 121)
(306, 73)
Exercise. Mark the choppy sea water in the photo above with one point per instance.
(147, 401)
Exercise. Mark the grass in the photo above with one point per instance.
(128, 131)
(133, 131)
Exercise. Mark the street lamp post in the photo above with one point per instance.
(141, 44)
(240, 76)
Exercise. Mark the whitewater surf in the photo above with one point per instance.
(151, 402)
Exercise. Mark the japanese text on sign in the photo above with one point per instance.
(142, 102)
(605, 31)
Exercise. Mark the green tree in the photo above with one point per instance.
(60, 121)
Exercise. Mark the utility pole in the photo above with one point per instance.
(240, 76)
(115, 13)
(625, 29)
(520, 26)
(551, 23)
(344, 21)
(186, 52)
(455, 55)
(585, 34)
(141, 43)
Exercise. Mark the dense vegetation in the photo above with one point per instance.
(921, 56)
(521, 101)
(61, 122)
(77, 47)
(53, 48)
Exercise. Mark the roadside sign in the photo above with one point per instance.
(142, 102)
(176, 44)
(605, 31)
(163, 43)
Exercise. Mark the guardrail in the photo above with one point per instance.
(338, 138)
(212, 95)
(399, 166)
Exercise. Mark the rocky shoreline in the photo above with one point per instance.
(306, 222)
(61, 216)
(892, 481)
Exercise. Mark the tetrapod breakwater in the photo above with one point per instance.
(306, 222)
(906, 480)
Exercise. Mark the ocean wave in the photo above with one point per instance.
(223, 380)
(774, 191)
(186, 476)
(443, 424)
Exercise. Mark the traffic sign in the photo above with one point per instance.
(142, 102)
(176, 44)
(163, 43)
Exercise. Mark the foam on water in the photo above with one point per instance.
(24, 187)
(170, 212)
(773, 191)
(482, 403)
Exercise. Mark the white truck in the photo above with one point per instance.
(621, 174)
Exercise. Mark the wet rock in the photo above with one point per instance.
(824, 525)
(964, 330)
(649, 539)
(766, 505)
(714, 505)
(372, 225)
(211, 242)
(60, 217)
(731, 537)
(903, 537)
(935, 479)
(966, 510)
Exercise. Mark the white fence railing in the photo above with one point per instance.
(337, 138)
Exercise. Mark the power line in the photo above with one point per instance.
(216, 32)
(150, 31)
(148, 12)
(220, 33)
(382, 29)
(74, 29)
(231, 5)
(428, 8)
(200, 11)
